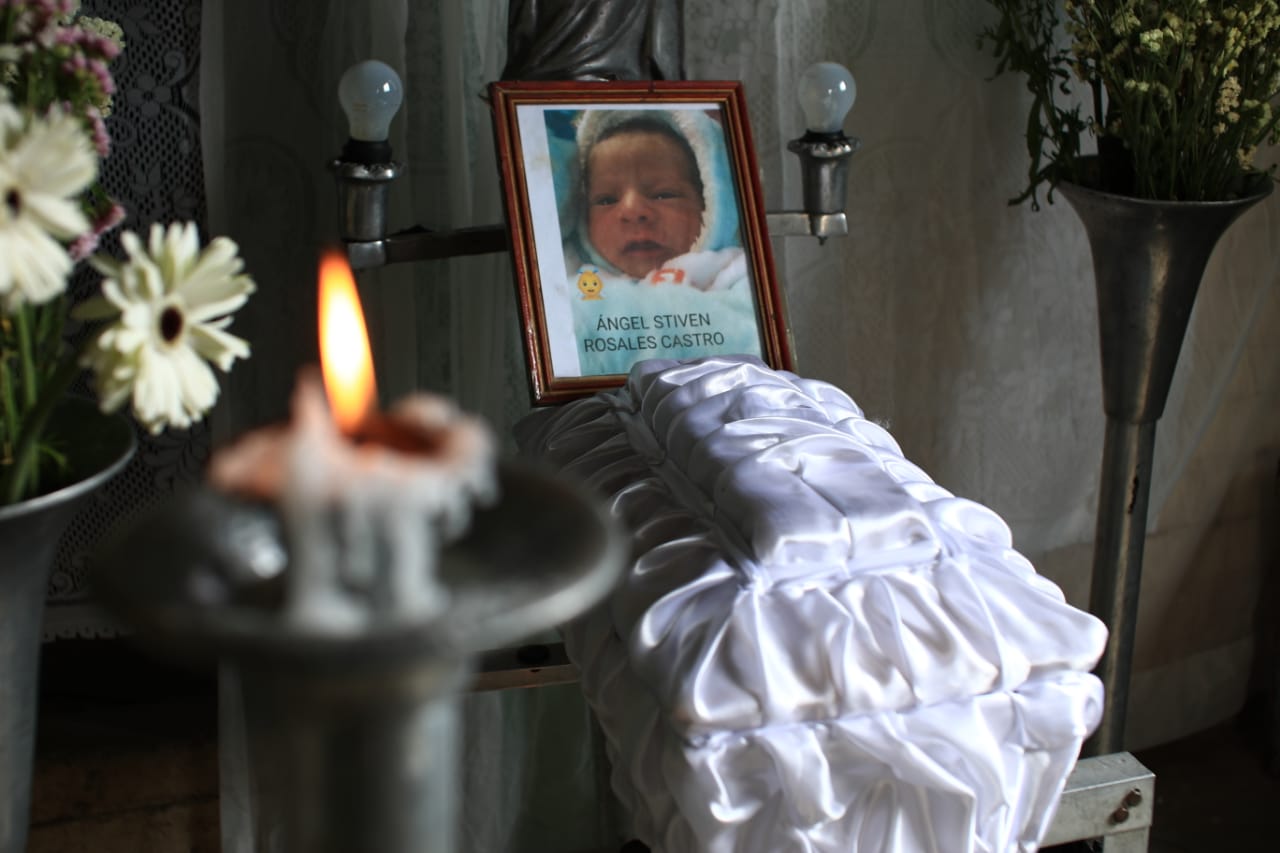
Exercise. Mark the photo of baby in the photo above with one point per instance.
(643, 195)
(637, 228)
(653, 257)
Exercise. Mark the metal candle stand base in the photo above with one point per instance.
(351, 736)
(352, 758)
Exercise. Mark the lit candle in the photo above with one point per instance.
(368, 499)
(345, 356)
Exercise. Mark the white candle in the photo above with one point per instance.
(368, 499)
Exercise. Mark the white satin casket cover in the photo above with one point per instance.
(816, 647)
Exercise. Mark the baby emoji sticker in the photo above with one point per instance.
(589, 282)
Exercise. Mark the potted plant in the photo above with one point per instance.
(1176, 97)
(1147, 117)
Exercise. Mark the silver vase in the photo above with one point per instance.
(1148, 260)
(97, 446)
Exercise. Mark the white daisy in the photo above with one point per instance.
(169, 303)
(45, 164)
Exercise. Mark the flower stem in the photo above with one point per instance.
(9, 410)
(26, 360)
(16, 478)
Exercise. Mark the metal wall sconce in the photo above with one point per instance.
(371, 93)
(827, 91)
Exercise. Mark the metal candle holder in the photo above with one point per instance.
(824, 180)
(362, 197)
(351, 735)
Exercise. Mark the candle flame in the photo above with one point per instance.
(345, 357)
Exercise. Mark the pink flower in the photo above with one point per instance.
(90, 43)
(84, 245)
(101, 139)
(98, 69)
(87, 243)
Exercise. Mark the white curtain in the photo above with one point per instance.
(966, 325)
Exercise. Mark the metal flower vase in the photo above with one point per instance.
(1148, 260)
(97, 446)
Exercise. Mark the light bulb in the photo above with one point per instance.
(827, 91)
(370, 93)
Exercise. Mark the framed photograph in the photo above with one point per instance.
(637, 229)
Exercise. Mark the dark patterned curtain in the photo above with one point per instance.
(154, 171)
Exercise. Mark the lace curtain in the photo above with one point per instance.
(966, 325)
(155, 171)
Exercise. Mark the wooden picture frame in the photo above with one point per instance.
(637, 229)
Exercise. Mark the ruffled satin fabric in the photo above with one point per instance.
(816, 646)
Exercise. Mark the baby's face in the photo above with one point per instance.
(643, 205)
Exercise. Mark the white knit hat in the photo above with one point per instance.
(706, 140)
